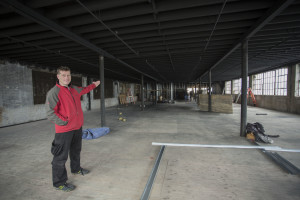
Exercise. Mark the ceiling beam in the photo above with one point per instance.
(271, 14)
(66, 56)
(42, 20)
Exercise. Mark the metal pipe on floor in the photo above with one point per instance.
(148, 187)
(244, 88)
(267, 148)
(102, 103)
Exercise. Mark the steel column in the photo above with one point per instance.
(175, 88)
(142, 92)
(209, 94)
(156, 93)
(147, 88)
(102, 105)
(195, 91)
(199, 92)
(172, 92)
(231, 91)
(244, 88)
(89, 94)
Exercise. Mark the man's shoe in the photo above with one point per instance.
(82, 172)
(67, 187)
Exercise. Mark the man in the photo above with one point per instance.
(64, 110)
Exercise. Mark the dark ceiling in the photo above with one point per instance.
(166, 40)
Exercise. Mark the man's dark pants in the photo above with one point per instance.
(66, 143)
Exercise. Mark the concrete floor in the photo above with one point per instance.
(121, 161)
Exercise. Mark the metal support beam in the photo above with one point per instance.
(172, 92)
(231, 85)
(209, 93)
(244, 88)
(199, 92)
(147, 88)
(195, 91)
(156, 93)
(265, 19)
(52, 25)
(102, 105)
(168, 91)
(209, 38)
(175, 88)
(107, 27)
(142, 92)
(89, 94)
(62, 55)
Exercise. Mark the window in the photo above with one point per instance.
(257, 84)
(237, 85)
(281, 81)
(271, 83)
(268, 83)
(228, 87)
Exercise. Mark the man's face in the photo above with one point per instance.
(64, 78)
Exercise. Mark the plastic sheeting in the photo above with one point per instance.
(94, 133)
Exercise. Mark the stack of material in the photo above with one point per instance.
(219, 103)
(203, 102)
(122, 98)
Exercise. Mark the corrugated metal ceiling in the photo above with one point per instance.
(166, 40)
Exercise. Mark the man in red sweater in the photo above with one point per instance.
(64, 110)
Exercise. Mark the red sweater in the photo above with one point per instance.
(64, 107)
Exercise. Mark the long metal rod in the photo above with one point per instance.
(148, 187)
(154, 68)
(115, 34)
(108, 28)
(101, 63)
(268, 148)
(156, 19)
(209, 38)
